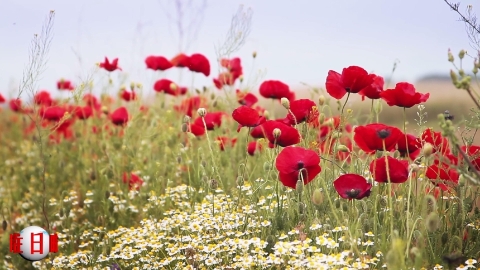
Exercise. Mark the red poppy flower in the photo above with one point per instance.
(224, 141)
(274, 89)
(234, 66)
(181, 60)
(330, 124)
(84, 112)
(53, 113)
(403, 95)
(288, 135)
(376, 137)
(352, 186)
(439, 143)
(43, 98)
(199, 63)
(197, 129)
(191, 105)
(157, 63)
(65, 85)
(302, 110)
(257, 132)
(442, 175)
(295, 161)
(119, 117)
(327, 147)
(212, 120)
(167, 86)
(110, 66)
(254, 147)
(128, 95)
(473, 152)
(247, 117)
(247, 99)
(352, 80)
(409, 146)
(373, 90)
(15, 105)
(2, 99)
(397, 170)
(134, 181)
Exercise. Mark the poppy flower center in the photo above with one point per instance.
(353, 193)
(383, 133)
(300, 165)
(348, 89)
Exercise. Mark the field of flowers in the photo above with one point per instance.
(208, 179)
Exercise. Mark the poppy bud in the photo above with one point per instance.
(186, 119)
(240, 181)
(450, 56)
(475, 70)
(317, 197)
(299, 186)
(107, 194)
(202, 112)
(276, 133)
(173, 87)
(330, 122)
(184, 127)
(427, 149)
(267, 166)
(104, 109)
(285, 103)
(254, 54)
(110, 81)
(413, 167)
(432, 222)
(266, 114)
(198, 91)
(453, 76)
(321, 100)
(321, 118)
(461, 54)
(461, 72)
(342, 148)
(4, 225)
(444, 238)
(132, 86)
(240, 78)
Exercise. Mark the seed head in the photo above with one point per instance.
(254, 54)
(321, 100)
(202, 112)
(285, 103)
(276, 133)
(317, 197)
(427, 149)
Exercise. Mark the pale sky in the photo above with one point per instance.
(296, 41)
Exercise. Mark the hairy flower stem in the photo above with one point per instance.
(409, 180)
(390, 200)
(211, 150)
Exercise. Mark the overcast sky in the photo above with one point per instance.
(297, 41)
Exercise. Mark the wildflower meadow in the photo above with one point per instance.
(160, 175)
